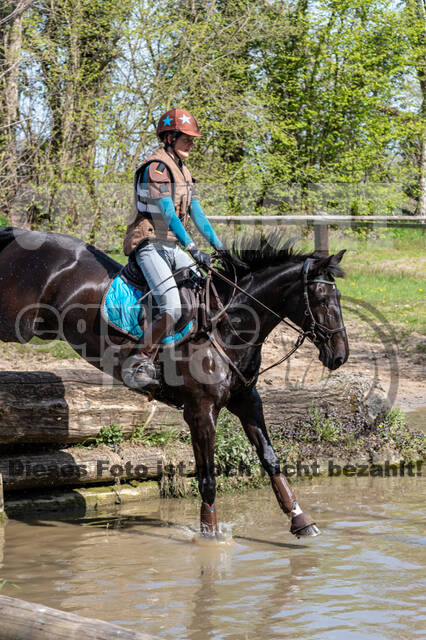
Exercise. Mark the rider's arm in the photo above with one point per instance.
(158, 179)
(203, 225)
(168, 212)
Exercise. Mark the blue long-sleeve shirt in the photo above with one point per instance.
(168, 212)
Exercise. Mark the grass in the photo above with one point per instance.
(233, 453)
(4, 582)
(158, 438)
(393, 430)
(384, 269)
(399, 298)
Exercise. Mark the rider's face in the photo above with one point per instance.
(183, 145)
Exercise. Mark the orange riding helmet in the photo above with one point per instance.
(178, 120)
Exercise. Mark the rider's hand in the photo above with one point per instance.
(201, 258)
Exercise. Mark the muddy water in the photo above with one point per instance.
(417, 419)
(363, 578)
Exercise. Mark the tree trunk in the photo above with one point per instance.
(11, 46)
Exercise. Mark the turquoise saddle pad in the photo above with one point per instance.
(122, 309)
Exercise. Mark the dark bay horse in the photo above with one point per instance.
(52, 285)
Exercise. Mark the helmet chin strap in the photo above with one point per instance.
(171, 146)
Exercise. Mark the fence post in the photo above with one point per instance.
(321, 238)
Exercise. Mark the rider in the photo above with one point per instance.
(164, 198)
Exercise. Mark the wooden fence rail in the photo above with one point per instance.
(323, 222)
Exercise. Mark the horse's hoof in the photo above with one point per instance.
(310, 530)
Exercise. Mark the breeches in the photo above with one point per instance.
(157, 260)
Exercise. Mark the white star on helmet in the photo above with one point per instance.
(185, 118)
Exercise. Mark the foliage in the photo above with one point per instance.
(233, 452)
(322, 428)
(393, 430)
(111, 436)
(155, 437)
(303, 105)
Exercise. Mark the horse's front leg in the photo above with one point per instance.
(248, 407)
(201, 415)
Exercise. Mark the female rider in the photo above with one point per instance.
(164, 199)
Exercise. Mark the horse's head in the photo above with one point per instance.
(310, 297)
(320, 313)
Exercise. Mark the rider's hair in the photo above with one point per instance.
(175, 135)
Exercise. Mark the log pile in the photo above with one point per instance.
(47, 411)
(78, 466)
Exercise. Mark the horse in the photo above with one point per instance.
(52, 286)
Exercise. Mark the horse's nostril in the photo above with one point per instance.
(338, 361)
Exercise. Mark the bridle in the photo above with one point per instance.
(316, 329)
(315, 332)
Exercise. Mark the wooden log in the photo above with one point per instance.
(79, 466)
(344, 396)
(66, 407)
(30, 621)
(70, 406)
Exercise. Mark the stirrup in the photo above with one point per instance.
(140, 373)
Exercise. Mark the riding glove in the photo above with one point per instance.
(201, 258)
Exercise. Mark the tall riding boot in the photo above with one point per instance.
(139, 371)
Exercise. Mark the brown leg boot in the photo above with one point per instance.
(139, 371)
(208, 521)
(301, 523)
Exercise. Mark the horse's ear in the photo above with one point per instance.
(328, 263)
(320, 265)
(334, 260)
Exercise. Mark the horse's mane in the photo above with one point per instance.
(254, 251)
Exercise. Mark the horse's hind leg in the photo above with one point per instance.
(248, 408)
(201, 415)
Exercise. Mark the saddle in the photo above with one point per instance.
(127, 304)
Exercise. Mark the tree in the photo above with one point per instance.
(415, 22)
(11, 17)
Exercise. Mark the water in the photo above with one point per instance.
(417, 419)
(363, 578)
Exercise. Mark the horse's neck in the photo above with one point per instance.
(269, 287)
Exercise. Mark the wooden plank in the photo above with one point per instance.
(341, 395)
(30, 621)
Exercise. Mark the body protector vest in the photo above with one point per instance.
(147, 220)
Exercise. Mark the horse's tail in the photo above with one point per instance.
(8, 235)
